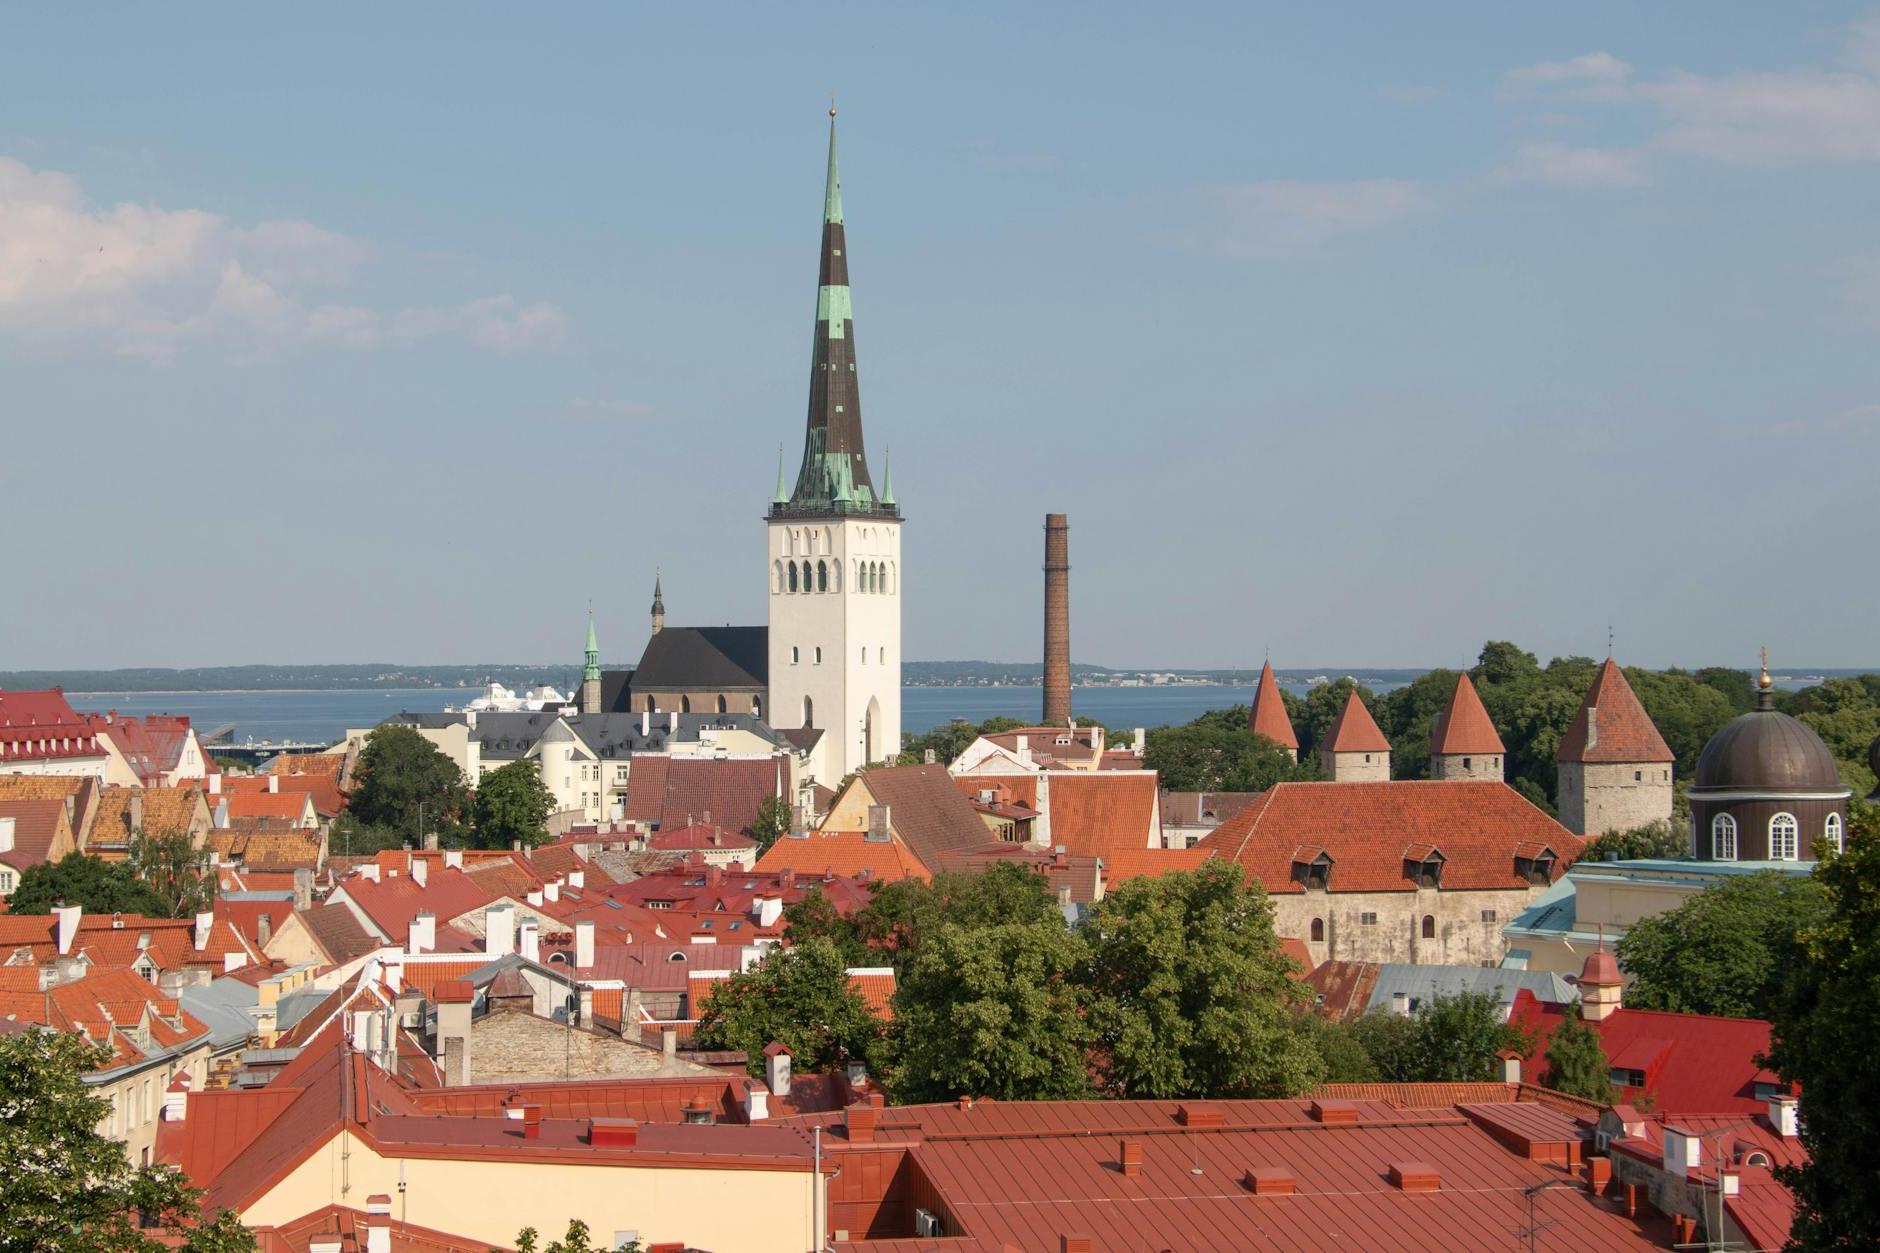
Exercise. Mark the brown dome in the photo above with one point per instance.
(1766, 751)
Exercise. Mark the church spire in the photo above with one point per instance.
(834, 476)
(659, 605)
(592, 671)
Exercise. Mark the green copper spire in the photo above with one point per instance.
(593, 670)
(887, 478)
(782, 496)
(832, 191)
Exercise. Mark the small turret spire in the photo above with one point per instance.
(1765, 699)
(659, 604)
(593, 668)
(887, 478)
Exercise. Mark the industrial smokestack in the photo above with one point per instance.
(1057, 620)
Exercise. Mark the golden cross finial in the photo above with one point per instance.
(1765, 681)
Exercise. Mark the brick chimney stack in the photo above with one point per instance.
(1057, 620)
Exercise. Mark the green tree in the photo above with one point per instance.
(799, 997)
(994, 1011)
(512, 803)
(1725, 951)
(175, 870)
(890, 927)
(68, 1189)
(1457, 1038)
(401, 775)
(1825, 1028)
(1390, 1041)
(772, 823)
(1190, 993)
(1341, 1052)
(101, 887)
(949, 741)
(1654, 839)
(1205, 756)
(1577, 1063)
(579, 1239)
(1503, 663)
(815, 917)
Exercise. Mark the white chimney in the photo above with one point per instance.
(176, 1100)
(1511, 1067)
(453, 859)
(1784, 1115)
(326, 1242)
(777, 1072)
(1142, 741)
(646, 720)
(1400, 1004)
(756, 1101)
(6, 835)
(577, 878)
(215, 784)
(378, 1224)
(362, 1031)
(499, 930)
(1024, 749)
(370, 870)
(767, 909)
(274, 784)
(534, 897)
(672, 721)
(551, 891)
(233, 960)
(204, 921)
(1682, 1151)
(420, 871)
(530, 936)
(422, 937)
(392, 970)
(68, 916)
(583, 945)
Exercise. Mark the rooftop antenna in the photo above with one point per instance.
(1609, 638)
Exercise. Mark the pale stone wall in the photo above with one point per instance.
(1464, 935)
(137, 1101)
(1356, 767)
(512, 1047)
(490, 1201)
(1613, 796)
(696, 701)
(1456, 766)
(96, 767)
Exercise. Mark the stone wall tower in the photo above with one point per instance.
(835, 549)
(1463, 740)
(1614, 767)
(1355, 750)
(1057, 620)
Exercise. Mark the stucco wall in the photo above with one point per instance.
(752, 1211)
(1463, 936)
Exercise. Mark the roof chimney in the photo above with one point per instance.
(205, 920)
(1057, 620)
(1269, 1181)
(68, 916)
(420, 871)
(1129, 1158)
(1784, 1115)
(531, 1122)
(1334, 1113)
(777, 1068)
(860, 1123)
(378, 1223)
(1415, 1177)
(583, 945)
(1068, 1243)
(421, 936)
(613, 1133)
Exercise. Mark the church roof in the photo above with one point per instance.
(705, 659)
(1268, 715)
(1464, 726)
(1612, 725)
(1354, 730)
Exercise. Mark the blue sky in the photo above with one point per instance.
(1357, 336)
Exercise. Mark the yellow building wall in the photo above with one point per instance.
(738, 1211)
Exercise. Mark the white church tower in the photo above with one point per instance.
(835, 551)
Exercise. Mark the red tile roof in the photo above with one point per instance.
(1611, 725)
(114, 940)
(1691, 1063)
(37, 827)
(152, 745)
(1464, 726)
(321, 788)
(846, 853)
(701, 836)
(349, 1225)
(285, 806)
(117, 1008)
(670, 792)
(43, 726)
(926, 809)
(1354, 730)
(1369, 829)
(1104, 813)
(1268, 715)
(395, 900)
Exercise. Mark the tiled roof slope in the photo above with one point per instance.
(38, 826)
(1464, 725)
(705, 659)
(1369, 828)
(1354, 730)
(166, 811)
(117, 1008)
(338, 931)
(37, 726)
(1103, 813)
(845, 853)
(673, 792)
(926, 809)
(1611, 725)
(151, 745)
(1268, 715)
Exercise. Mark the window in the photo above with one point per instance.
(793, 576)
(1318, 930)
(809, 712)
(1638, 776)
(1429, 926)
(6, 880)
(822, 576)
(1784, 837)
(721, 705)
(796, 654)
(864, 654)
(1465, 763)
(819, 654)
(1832, 832)
(1367, 920)
(1624, 1078)
(685, 704)
(1488, 915)
(1723, 838)
(881, 654)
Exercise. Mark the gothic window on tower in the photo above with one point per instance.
(809, 712)
(806, 574)
(685, 704)
(776, 576)
(793, 576)
(822, 576)
(721, 705)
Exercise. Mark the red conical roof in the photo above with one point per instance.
(1354, 730)
(1464, 727)
(1612, 725)
(1268, 715)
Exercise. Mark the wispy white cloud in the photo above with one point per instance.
(1567, 165)
(1755, 117)
(148, 281)
(1281, 217)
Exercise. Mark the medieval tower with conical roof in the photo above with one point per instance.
(1615, 769)
(835, 549)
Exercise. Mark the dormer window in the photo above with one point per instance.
(1312, 868)
(1423, 865)
(1535, 863)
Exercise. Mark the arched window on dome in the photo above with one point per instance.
(1784, 838)
(793, 576)
(1723, 838)
(822, 576)
(1832, 832)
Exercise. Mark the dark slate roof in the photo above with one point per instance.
(426, 721)
(616, 691)
(510, 736)
(711, 659)
(1766, 750)
(614, 736)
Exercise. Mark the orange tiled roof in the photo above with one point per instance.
(1368, 829)
(1354, 730)
(1464, 726)
(288, 806)
(1611, 725)
(1100, 813)
(166, 811)
(845, 853)
(1268, 715)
